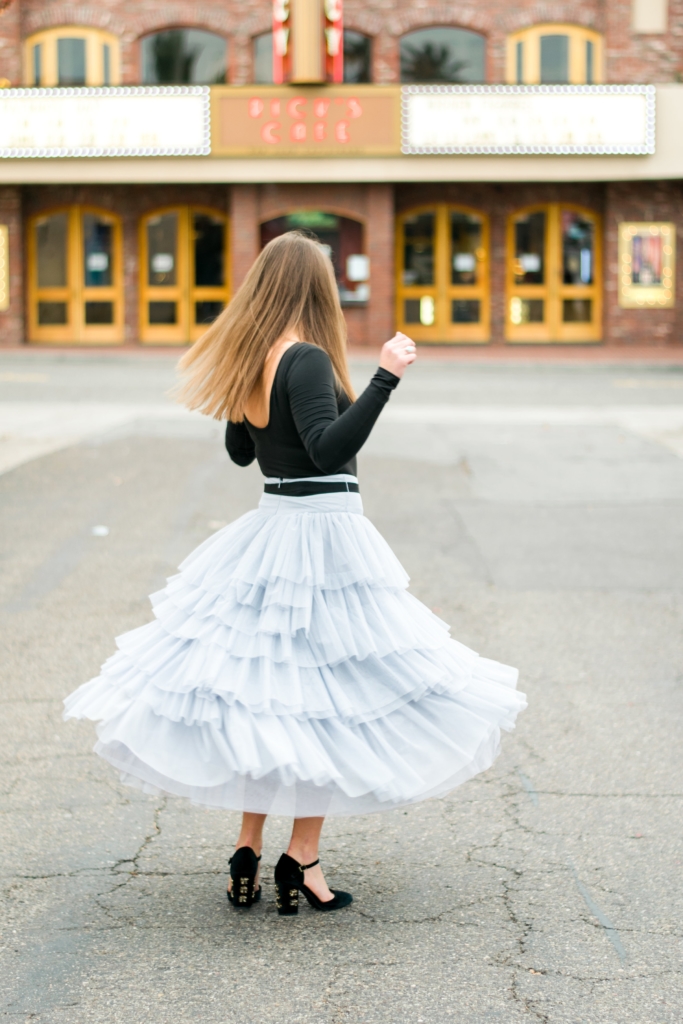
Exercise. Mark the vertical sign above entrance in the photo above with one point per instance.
(334, 41)
(281, 41)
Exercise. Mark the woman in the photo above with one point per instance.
(287, 670)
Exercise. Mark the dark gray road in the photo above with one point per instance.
(540, 510)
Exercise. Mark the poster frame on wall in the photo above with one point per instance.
(647, 264)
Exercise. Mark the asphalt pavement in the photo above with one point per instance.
(539, 510)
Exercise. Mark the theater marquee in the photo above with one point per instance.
(305, 121)
(518, 119)
(137, 121)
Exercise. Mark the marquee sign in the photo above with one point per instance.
(145, 121)
(519, 119)
(309, 121)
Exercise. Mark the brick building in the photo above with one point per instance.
(482, 174)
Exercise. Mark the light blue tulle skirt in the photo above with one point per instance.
(289, 671)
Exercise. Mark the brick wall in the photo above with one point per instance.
(629, 57)
(10, 42)
(642, 201)
(12, 321)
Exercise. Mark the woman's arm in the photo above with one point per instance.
(239, 443)
(332, 440)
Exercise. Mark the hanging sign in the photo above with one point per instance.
(334, 40)
(281, 41)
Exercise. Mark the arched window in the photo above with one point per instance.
(357, 57)
(442, 274)
(342, 240)
(183, 273)
(443, 54)
(555, 55)
(183, 56)
(263, 58)
(71, 56)
(75, 276)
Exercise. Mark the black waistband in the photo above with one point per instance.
(302, 488)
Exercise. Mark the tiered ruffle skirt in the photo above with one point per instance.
(289, 671)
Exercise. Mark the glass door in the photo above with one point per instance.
(75, 277)
(184, 274)
(443, 275)
(554, 275)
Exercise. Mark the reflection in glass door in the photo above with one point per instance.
(554, 278)
(443, 275)
(184, 274)
(75, 277)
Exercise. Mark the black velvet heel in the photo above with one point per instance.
(243, 869)
(289, 882)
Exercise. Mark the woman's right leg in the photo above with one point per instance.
(303, 847)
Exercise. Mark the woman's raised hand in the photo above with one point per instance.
(397, 353)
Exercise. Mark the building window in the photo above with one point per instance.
(342, 240)
(184, 56)
(555, 55)
(443, 55)
(442, 274)
(554, 272)
(71, 56)
(263, 58)
(183, 273)
(75, 276)
(357, 57)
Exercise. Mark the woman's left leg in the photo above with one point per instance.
(251, 834)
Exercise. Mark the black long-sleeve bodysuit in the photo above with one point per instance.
(313, 430)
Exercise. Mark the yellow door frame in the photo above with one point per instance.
(184, 292)
(554, 291)
(442, 291)
(75, 293)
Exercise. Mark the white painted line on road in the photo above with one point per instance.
(29, 430)
(660, 423)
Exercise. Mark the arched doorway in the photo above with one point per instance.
(183, 273)
(75, 276)
(554, 274)
(342, 239)
(442, 274)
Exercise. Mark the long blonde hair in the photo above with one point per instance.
(289, 289)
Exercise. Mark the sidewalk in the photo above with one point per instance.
(558, 355)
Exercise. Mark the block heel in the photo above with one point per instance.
(243, 871)
(287, 900)
(289, 882)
